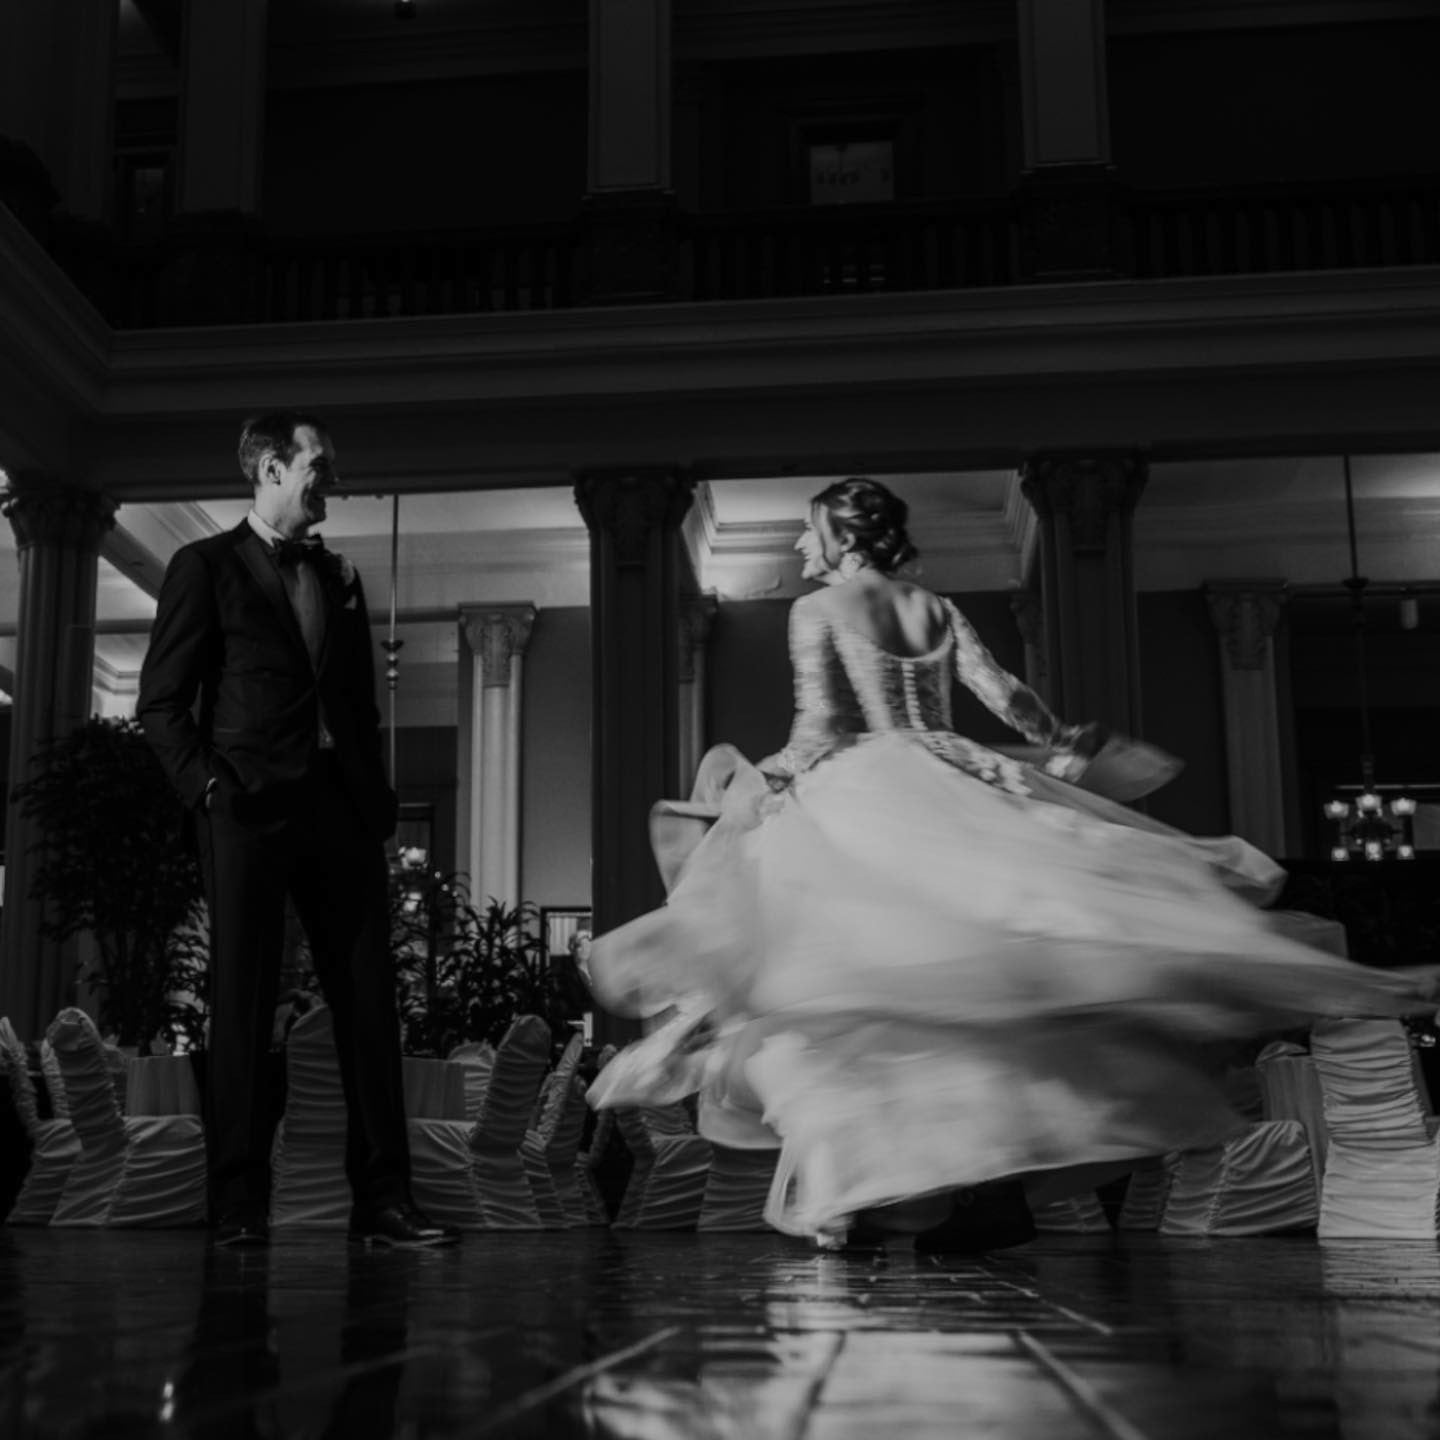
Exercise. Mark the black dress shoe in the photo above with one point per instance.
(241, 1231)
(401, 1227)
(994, 1216)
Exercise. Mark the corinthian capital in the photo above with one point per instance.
(1246, 614)
(630, 505)
(1086, 491)
(497, 633)
(41, 512)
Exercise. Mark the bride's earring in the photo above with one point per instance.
(851, 564)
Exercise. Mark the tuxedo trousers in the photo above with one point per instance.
(309, 843)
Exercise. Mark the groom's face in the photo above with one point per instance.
(298, 489)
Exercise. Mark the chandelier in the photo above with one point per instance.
(1372, 822)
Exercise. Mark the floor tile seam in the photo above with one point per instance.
(1077, 1317)
(1084, 1395)
(552, 1389)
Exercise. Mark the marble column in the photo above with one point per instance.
(222, 107)
(634, 519)
(488, 828)
(1065, 197)
(57, 101)
(1085, 505)
(58, 530)
(697, 619)
(1247, 615)
(630, 206)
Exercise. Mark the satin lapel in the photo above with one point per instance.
(267, 577)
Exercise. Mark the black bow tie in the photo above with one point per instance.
(296, 552)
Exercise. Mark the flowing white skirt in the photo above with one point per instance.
(911, 979)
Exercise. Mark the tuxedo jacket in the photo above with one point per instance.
(228, 691)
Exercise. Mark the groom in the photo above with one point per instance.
(280, 763)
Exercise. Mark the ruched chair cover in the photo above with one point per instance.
(1382, 1163)
(478, 1058)
(1143, 1207)
(504, 1196)
(1262, 1182)
(552, 1143)
(666, 1189)
(308, 1185)
(736, 1188)
(132, 1170)
(55, 1147)
(1080, 1214)
(1290, 1085)
(587, 1161)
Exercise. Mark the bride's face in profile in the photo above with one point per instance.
(819, 547)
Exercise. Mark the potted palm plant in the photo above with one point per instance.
(118, 865)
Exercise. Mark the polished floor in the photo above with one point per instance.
(684, 1337)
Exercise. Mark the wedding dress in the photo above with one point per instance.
(920, 964)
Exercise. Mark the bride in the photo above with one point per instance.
(917, 964)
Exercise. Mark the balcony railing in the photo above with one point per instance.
(951, 245)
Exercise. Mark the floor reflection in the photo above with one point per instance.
(682, 1337)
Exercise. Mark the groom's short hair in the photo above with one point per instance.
(272, 433)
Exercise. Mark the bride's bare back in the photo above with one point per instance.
(900, 617)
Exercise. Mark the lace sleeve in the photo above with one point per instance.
(998, 690)
(812, 732)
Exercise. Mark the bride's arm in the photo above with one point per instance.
(1002, 694)
(812, 732)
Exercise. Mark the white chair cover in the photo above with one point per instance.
(666, 1189)
(1080, 1214)
(132, 1170)
(1262, 1182)
(1144, 1205)
(1382, 1166)
(586, 1161)
(442, 1175)
(434, 1089)
(308, 1184)
(551, 1145)
(55, 1145)
(521, 1060)
(1290, 1087)
(478, 1059)
(736, 1189)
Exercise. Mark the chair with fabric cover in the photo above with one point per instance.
(308, 1184)
(588, 1160)
(736, 1188)
(1080, 1214)
(1290, 1084)
(1261, 1182)
(438, 1125)
(478, 1058)
(505, 1198)
(666, 1190)
(1144, 1205)
(553, 1141)
(133, 1170)
(54, 1081)
(1382, 1163)
(54, 1145)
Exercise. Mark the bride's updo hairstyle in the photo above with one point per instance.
(873, 516)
